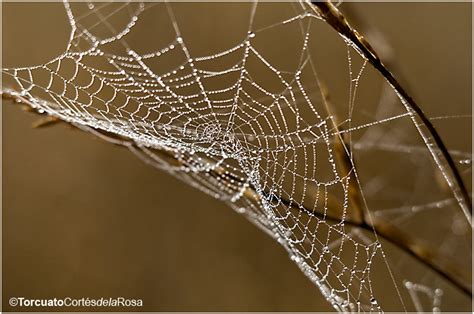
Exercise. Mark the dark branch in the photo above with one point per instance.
(337, 21)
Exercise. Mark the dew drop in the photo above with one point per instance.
(241, 210)
(465, 162)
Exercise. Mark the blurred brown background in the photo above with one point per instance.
(82, 218)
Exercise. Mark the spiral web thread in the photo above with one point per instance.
(266, 151)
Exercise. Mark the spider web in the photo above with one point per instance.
(254, 122)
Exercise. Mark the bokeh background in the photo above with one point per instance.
(83, 218)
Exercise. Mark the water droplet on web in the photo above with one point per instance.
(295, 258)
(241, 210)
(251, 147)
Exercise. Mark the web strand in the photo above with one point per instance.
(239, 126)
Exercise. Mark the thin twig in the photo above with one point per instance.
(421, 251)
(338, 22)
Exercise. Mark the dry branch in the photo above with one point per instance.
(339, 23)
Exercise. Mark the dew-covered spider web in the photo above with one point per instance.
(280, 117)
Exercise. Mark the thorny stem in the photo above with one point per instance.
(338, 22)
